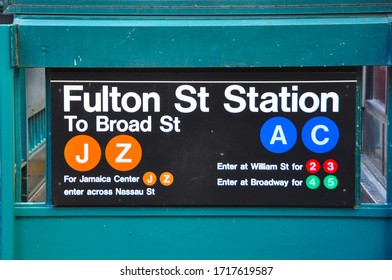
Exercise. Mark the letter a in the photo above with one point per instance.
(278, 135)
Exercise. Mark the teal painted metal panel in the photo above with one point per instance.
(42, 232)
(7, 145)
(20, 133)
(207, 42)
(1, 232)
(196, 7)
(389, 134)
(203, 234)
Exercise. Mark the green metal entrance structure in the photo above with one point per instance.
(39, 35)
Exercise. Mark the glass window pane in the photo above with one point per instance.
(374, 125)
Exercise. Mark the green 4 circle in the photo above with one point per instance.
(312, 182)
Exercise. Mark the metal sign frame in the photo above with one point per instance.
(208, 132)
(352, 33)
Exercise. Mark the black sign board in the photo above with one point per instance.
(203, 137)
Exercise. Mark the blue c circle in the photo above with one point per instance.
(278, 135)
(320, 135)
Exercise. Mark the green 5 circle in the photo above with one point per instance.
(331, 182)
(312, 182)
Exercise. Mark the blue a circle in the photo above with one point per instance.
(278, 135)
(320, 135)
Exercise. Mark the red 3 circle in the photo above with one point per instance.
(330, 166)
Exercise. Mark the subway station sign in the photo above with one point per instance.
(203, 137)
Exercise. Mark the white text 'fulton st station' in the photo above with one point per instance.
(238, 98)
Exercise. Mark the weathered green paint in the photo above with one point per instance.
(202, 42)
(43, 232)
(20, 132)
(358, 137)
(7, 146)
(201, 238)
(192, 233)
(389, 132)
(196, 7)
(332, 33)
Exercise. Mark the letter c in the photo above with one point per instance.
(320, 135)
(313, 135)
